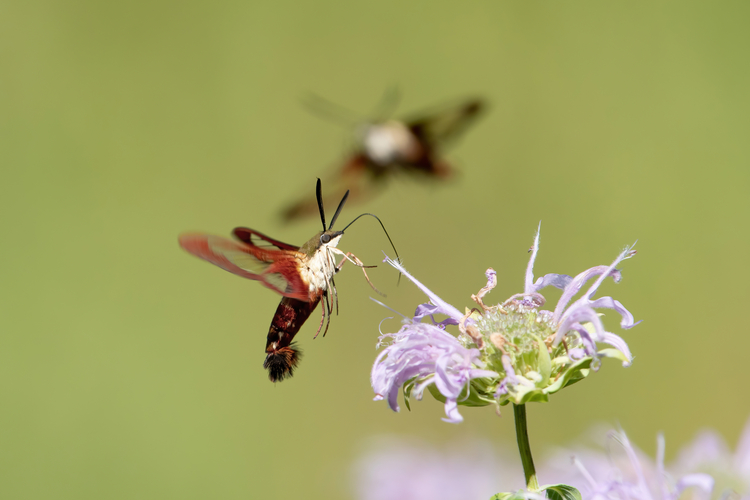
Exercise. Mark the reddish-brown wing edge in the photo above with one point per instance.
(352, 176)
(245, 234)
(216, 250)
(447, 122)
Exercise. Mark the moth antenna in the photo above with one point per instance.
(384, 230)
(319, 194)
(388, 103)
(338, 211)
(329, 110)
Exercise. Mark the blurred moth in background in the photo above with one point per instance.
(303, 275)
(385, 147)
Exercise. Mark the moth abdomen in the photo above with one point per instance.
(281, 363)
(281, 355)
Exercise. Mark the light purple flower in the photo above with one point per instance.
(709, 453)
(624, 473)
(405, 468)
(429, 355)
(584, 309)
(511, 352)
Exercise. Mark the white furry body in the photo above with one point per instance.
(318, 269)
(389, 142)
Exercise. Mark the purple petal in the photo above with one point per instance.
(742, 455)
(707, 447)
(491, 275)
(442, 306)
(660, 448)
(447, 383)
(510, 373)
(589, 346)
(510, 377)
(625, 254)
(702, 481)
(557, 280)
(619, 344)
(610, 303)
(530, 267)
(426, 354)
(576, 354)
(408, 372)
(575, 285)
(634, 462)
(424, 310)
(580, 313)
(451, 410)
(389, 308)
(635, 478)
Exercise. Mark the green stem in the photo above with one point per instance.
(522, 435)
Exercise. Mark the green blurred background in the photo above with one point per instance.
(130, 369)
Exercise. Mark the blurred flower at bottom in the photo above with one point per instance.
(405, 468)
(603, 464)
(620, 471)
(709, 453)
(610, 460)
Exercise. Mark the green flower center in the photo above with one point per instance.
(520, 333)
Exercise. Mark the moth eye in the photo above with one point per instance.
(325, 238)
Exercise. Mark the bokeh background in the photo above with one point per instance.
(130, 369)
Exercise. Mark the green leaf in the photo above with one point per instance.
(561, 492)
(510, 495)
(578, 376)
(545, 363)
(502, 496)
(436, 393)
(407, 392)
(614, 353)
(472, 399)
(533, 396)
(575, 372)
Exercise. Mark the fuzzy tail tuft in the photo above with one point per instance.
(281, 363)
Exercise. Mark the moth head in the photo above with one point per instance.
(324, 239)
(388, 142)
(328, 237)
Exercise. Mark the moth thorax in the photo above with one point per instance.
(389, 142)
(318, 270)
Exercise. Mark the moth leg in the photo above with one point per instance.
(335, 295)
(325, 297)
(354, 260)
(322, 318)
(351, 258)
(328, 322)
(331, 285)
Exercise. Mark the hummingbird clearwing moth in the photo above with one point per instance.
(386, 148)
(302, 275)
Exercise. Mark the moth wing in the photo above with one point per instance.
(354, 176)
(275, 269)
(246, 234)
(446, 124)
